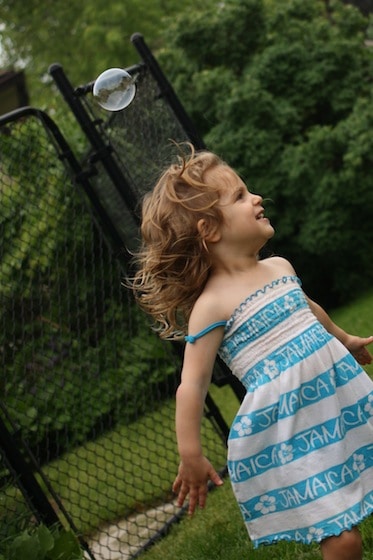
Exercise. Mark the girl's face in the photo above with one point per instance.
(243, 211)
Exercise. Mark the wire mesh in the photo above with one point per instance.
(144, 138)
(15, 514)
(87, 387)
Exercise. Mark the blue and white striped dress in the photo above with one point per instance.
(300, 450)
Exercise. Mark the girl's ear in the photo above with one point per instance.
(207, 232)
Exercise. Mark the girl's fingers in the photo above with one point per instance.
(176, 485)
(215, 478)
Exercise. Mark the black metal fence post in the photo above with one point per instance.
(28, 484)
(66, 324)
(167, 91)
(102, 151)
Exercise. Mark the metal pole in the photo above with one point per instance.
(103, 152)
(78, 174)
(169, 94)
(167, 91)
(22, 473)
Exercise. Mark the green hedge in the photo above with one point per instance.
(77, 354)
(41, 543)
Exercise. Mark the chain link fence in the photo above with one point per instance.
(87, 390)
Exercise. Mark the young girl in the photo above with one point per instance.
(300, 450)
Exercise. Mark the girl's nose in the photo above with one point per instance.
(257, 199)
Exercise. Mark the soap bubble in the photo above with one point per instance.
(114, 89)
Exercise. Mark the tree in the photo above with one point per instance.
(280, 88)
(286, 100)
(85, 37)
(366, 6)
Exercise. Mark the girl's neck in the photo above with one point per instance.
(233, 265)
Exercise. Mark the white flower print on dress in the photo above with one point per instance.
(266, 504)
(286, 453)
(270, 368)
(369, 406)
(289, 303)
(244, 426)
(359, 464)
(315, 534)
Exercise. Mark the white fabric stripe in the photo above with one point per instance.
(304, 420)
(314, 513)
(327, 458)
(276, 338)
(303, 429)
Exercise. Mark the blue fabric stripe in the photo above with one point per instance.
(262, 291)
(289, 403)
(266, 319)
(345, 520)
(286, 356)
(302, 443)
(310, 489)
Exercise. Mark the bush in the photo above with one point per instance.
(292, 112)
(77, 354)
(41, 543)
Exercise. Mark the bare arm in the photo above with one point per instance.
(195, 470)
(355, 344)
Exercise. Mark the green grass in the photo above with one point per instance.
(218, 533)
(357, 318)
(127, 470)
(94, 479)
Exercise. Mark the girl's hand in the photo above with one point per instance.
(356, 345)
(192, 479)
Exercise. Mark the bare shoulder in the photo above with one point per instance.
(207, 309)
(279, 265)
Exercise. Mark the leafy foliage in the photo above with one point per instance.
(29, 233)
(74, 388)
(77, 356)
(286, 100)
(41, 543)
(86, 38)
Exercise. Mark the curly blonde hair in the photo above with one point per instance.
(173, 263)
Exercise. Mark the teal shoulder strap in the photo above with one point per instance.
(193, 337)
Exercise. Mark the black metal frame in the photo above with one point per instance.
(78, 174)
(17, 456)
(167, 91)
(23, 473)
(22, 467)
(103, 152)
